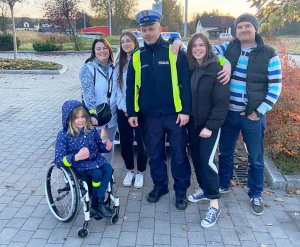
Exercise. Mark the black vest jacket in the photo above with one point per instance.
(257, 70)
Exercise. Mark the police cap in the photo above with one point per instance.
(148, 17)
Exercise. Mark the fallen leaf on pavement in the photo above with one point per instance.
(278, 199)
(33, 190)
(185, 228)
(268, 191)
(243, 159)
(269, 224)
(9, 185)
(233, 183)
(125, 217)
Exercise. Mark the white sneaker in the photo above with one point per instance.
(128, 179)
(139, 181)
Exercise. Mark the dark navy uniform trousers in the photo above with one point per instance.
(156, 129)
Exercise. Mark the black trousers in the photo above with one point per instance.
(203, 151)
(156, 129)
(127, 137)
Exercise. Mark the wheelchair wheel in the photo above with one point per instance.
(62, 193)
(82, 233)
(114, 219)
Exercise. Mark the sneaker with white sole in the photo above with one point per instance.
(210, 217)
(197, 196)
(128, 179)
(139, 180)
(257, 206)
(224, 190)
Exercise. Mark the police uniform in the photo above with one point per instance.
(158, 87)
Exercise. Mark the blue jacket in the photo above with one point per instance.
(96, 94)
(67, 145)
(156, 93)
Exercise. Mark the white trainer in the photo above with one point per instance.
(129, 178)
(139, 181)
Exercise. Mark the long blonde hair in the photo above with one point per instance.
(72, 129)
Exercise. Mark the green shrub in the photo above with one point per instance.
(48, 45)
(6, 42)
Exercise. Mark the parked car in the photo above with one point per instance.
(223, 36)
(170, 36)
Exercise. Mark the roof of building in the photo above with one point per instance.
(216, 21)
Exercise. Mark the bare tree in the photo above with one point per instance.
(11, 4)
(63, 13)
(3, 17)
(122, 12)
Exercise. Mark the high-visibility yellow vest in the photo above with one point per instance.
(136, 60)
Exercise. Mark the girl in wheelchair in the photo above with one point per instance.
(78, 145)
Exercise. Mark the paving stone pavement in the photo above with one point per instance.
(30, 117)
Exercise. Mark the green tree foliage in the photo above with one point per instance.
(172, 15)
(6, 42)
(275, 13)
(122, 13)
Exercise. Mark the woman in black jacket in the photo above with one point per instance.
(210, 101)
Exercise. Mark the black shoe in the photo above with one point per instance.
(102, 210)
(257, 206)
(181, 202)
(155, 194)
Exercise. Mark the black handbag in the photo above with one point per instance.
(103, 110)
(103, 113)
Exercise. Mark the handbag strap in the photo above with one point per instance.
(109, 80)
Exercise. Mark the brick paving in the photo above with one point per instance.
(29, 120)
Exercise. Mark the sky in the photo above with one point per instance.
(233, 7)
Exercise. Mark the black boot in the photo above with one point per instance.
(103, 210)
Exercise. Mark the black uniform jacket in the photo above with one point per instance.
(156, 94)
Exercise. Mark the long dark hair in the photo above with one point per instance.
(209, 54)
(123, 55)
(107, 45)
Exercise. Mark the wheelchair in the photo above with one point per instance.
(65, 191)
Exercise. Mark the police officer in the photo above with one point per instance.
(158, 89)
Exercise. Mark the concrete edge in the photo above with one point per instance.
(273, 176)
(293, 181)
(44, 72)
(278, 181)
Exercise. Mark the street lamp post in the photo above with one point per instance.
(185, 18)
(109, 16)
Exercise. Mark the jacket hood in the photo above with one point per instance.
(66, 110)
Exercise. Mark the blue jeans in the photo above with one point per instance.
(253, 136)
(99, 179)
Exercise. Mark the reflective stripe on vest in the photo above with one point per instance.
(136, 61)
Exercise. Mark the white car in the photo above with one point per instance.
(225, 36)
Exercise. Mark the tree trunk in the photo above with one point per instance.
(74, 35)
(14, 31)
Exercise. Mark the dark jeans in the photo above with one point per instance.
(102, 175)
(127, 137)
(203, 152)
(156, 129)
(253, 136)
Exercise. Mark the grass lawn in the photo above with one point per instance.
(27, 64)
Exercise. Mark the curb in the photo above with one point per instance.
(42, 72)
(278, 181)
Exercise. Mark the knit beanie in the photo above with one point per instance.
(246, 18)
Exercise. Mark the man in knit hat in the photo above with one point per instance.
(255, 87)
